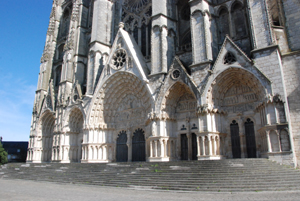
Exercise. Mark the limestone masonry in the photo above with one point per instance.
(167, 80)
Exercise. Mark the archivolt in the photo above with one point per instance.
(172, 96)
(113, 91)
(229, 78)
(46, 124)
(76, 121)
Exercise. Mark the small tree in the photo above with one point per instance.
(3, 155)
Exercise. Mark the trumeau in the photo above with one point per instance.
(119, 76)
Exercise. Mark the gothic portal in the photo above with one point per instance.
(168, 80)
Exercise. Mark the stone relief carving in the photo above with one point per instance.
(186, 103)
(130, 112)
(75, 13)
(239, 98)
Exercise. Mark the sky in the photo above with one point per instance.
(23, 29)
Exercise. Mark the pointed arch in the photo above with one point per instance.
(177, 93)
(74, 134)
(45, 131)
(120, 97)
(220, 84)
(76, 120)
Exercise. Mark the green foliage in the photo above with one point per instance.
(3, 155)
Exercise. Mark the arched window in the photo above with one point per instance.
(65, 23)
(137, 20)
(57, 76)
(184, 27)
(91, 12)
(223, 25)
(239, 21)
(60, 52)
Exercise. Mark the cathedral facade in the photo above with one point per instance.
(168, 80)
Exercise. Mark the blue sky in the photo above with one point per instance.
(23, 31)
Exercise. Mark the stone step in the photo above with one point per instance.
(222, 175)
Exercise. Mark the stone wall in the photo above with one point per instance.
(268, 62)
(292, 15)
(291, 68)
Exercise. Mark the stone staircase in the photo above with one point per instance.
(219, 176)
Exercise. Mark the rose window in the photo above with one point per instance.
(119, 59)
(229, 58)
(176, 74)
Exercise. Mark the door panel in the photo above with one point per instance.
(235, 140)
(138, 146)
(122, 149)
(184, 147)
(250, 139)
(194, 147)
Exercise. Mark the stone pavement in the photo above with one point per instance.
(17, 190)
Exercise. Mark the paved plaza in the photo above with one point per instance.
(18, 190)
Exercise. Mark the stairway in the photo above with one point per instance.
(219, 175)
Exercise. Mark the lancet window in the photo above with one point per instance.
(65, 22)
(223, 24)
(233, 22)
(91, 12)
(184, 13)
(57, 76)
(136, 16)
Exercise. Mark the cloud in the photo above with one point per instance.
(16, 102)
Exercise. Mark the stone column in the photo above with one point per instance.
(219, 146)
(90, 74)
(269, 141)
(170, 149)
(82, 155)
(161, 148)
(243, 145)
(277, 118)
(215, 146)
(164, 49)
(156, 151)
(209, 145)
(105, 153)
(129, 152)
(165, 149)
(203, 145)
(151, 149)
(279, 144)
